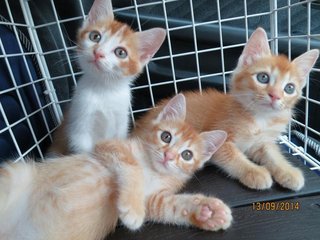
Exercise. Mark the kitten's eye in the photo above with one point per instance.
(95, 36)
(120, 52)
(289, 88)
(187, 155)
(263, 77)
(166, 137)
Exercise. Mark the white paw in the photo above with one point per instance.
(132, 219)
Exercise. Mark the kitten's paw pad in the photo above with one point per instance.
(257, 178)
(213, 215)
(205, 213)
(291, 178)
(132, 219)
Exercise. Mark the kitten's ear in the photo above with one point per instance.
(149, 42)
(175, 109)
(256, 47)
(101, 9)
(213, 140)
(305, 62)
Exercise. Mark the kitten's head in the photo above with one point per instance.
(111, 48)
(265, 82)
(174, 146)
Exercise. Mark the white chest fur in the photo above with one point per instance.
(153, 182)
(99, 110)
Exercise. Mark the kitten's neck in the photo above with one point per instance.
(105, 80)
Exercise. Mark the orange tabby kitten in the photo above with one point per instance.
(82, 197)
(264, 90)
(111, 56)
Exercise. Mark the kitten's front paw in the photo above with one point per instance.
(257, 178)
(291, 178)
(211, 214)
(132, 218)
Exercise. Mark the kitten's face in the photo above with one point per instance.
(263, 82)
(175, 148)
(271, 84)
(108, 46)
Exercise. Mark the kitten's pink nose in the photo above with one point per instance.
(98, 54)
(168, 156)
(274, 96)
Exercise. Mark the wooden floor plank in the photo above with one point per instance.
(248, 224)
(213, 181)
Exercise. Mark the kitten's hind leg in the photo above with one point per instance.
(238, 166)
(206, 213)
(283, 172)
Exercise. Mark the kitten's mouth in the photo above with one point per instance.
(164, 163)
(95, 63)
(269, 105)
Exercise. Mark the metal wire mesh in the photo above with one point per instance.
(196, 21)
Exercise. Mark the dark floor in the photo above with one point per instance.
(303, 223)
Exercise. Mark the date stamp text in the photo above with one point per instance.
(276, 206)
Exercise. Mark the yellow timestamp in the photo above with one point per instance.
(276, 206)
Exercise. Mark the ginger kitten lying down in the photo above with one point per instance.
(81, 197)
(264, 91)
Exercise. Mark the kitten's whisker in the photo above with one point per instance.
(298, 110)
(75, 54)
(195, 177)
(64, 61)
(295, 125)
(73, 42)
(248, 107)
(241, 94)
(145, 22)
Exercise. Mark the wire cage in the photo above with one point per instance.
(38, 68)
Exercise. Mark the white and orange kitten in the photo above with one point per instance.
(111, 56)
(81, 197)
(264, 91)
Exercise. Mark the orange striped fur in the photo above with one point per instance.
(253, 114)
(69, 198)
(141, 162)
(81, 197)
